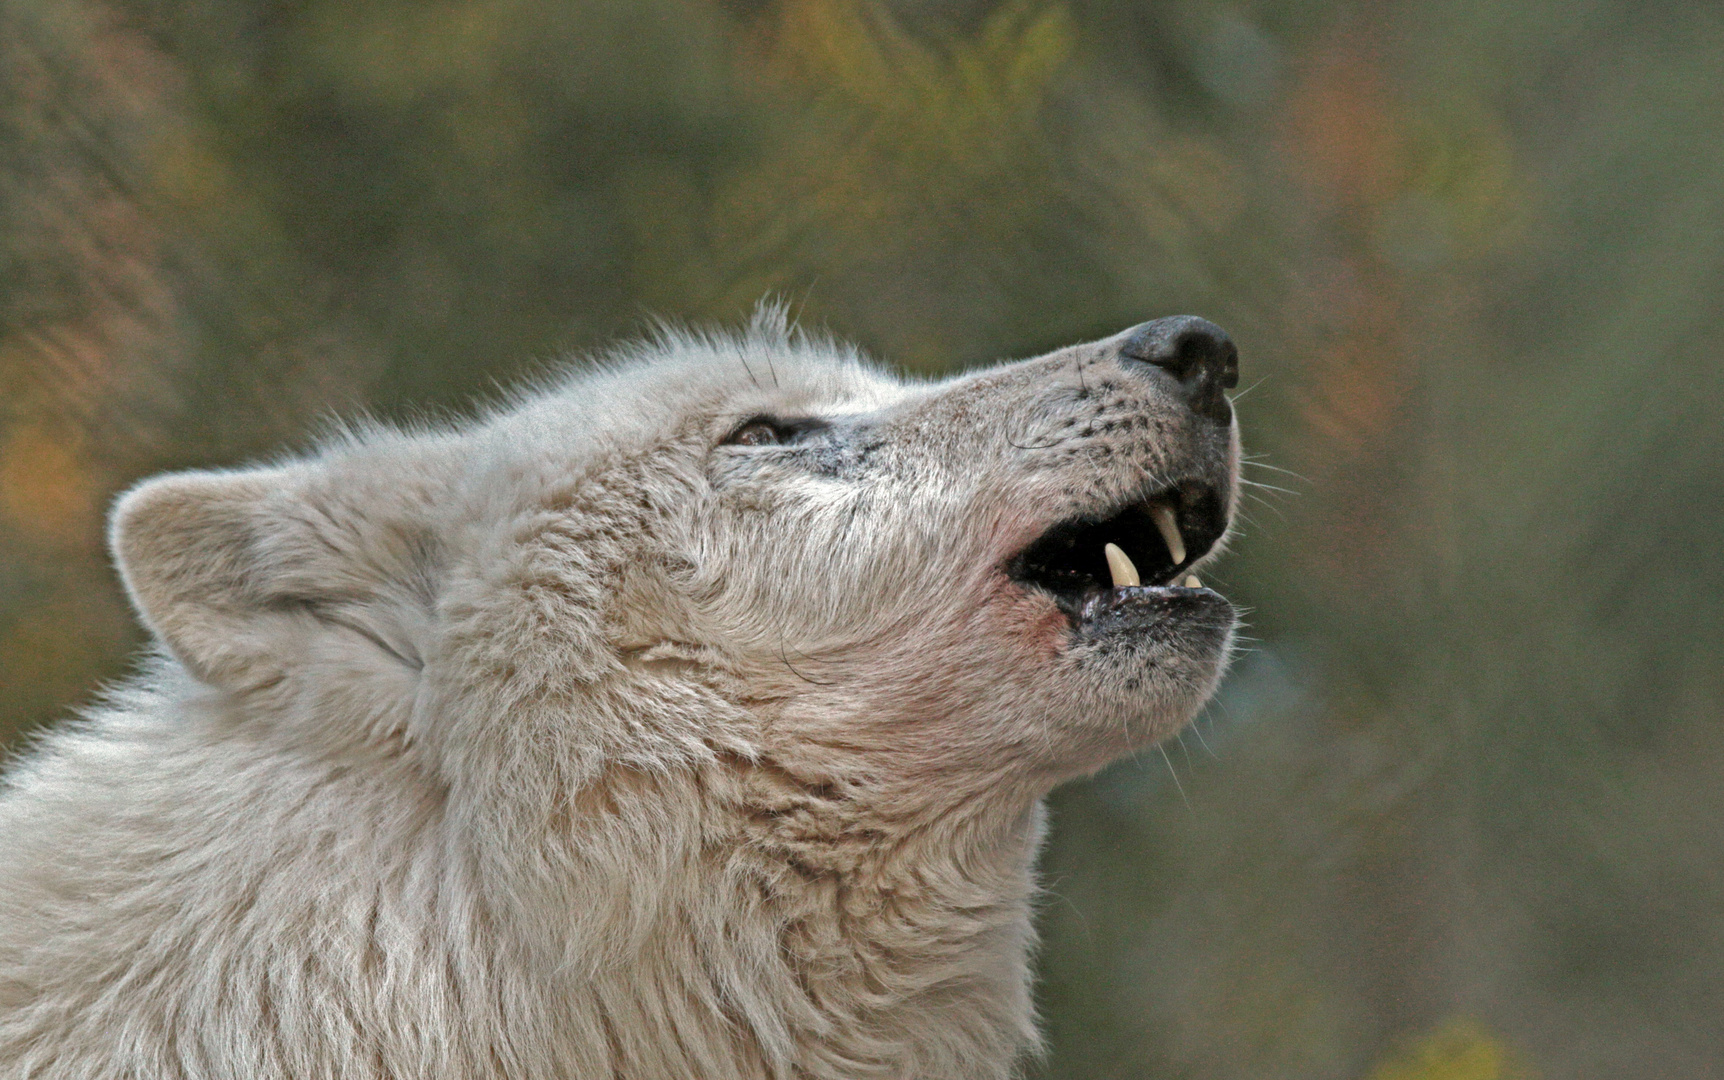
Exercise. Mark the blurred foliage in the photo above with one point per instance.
(1460, 1050)
(1474, 255)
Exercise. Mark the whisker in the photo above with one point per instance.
(1267, 487)
(1273, 509)
(1260, 381)
(1260, 486)
(1201, 741)
(1256, 463)
(1171, 771)
(1265, 504)
(1250, 522)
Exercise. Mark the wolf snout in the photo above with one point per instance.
(1197, 354)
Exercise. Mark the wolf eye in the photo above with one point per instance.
(768, 431)
(755, 433)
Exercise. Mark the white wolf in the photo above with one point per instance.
(687, 718)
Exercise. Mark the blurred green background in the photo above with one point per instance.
(1458, 813)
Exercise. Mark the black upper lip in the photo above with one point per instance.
(1068, 560)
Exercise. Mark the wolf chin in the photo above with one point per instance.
(687, 717)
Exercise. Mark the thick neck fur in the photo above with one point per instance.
(777, 926)
(723, 920)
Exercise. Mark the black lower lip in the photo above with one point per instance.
(1124, 609)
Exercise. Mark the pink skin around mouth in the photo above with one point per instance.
(1027, 617)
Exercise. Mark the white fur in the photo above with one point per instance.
(572, 743)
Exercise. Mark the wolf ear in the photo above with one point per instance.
(252, 575)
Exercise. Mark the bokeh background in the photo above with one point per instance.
(1459, 813)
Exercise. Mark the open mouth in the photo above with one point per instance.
(1092, 565)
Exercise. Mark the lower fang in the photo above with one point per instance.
(1119, 564)
(1191, 582)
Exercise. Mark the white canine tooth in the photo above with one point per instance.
(1120, 565)
(1191, 582)
(1168, 526)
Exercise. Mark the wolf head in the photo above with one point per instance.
(756, 547)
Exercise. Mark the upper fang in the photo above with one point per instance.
(1168, 526)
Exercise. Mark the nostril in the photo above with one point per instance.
(1186, 346)
(1194, 351)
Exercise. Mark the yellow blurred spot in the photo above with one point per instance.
(44, 487)
(1459, 1050)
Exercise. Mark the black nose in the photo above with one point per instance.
(1197, 353)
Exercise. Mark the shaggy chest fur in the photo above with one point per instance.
(669, 723)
